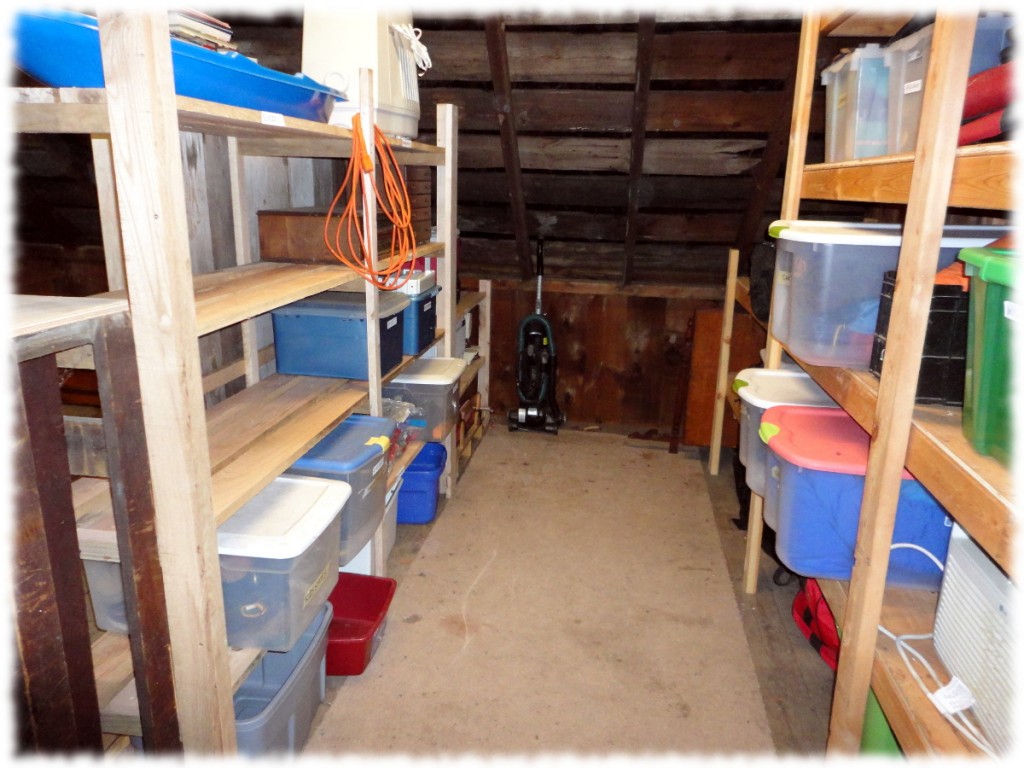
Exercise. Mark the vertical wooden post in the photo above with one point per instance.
(243, 253)
(448, 233)
(143, 116)
(722, 382)
(803, 92)
(944, 90)
(367, 114)
(483, 334)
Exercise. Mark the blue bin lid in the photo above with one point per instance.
(348, 306)
(350, 445)
(427, 294)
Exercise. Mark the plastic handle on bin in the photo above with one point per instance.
(380, 440)
(767, 431)
(738, 384)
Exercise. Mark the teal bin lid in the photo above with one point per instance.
(356, 441)
(993, 265)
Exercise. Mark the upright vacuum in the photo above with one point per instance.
(536, 369)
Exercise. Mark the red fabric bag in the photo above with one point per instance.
(815, 620)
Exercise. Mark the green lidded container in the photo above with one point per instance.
(988, 414)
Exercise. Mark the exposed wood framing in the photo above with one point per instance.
(641, 94)
(497, 57)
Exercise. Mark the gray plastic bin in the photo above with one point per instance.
(275, 706)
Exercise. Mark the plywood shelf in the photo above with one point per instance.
(468, 301)
(918, 726)
(982, 178)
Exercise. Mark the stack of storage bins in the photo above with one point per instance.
(828, 283)
(278, 556)
(355, 452)
(760, 389)
(817, 460)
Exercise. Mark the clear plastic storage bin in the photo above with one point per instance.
(908, 64)
(278, 562)
(857, 105)
(828, 284)
(356, 452)
(276, 704)
(431, 384)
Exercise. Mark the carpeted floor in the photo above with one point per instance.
(572, 598)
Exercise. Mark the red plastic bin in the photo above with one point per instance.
(360, 606)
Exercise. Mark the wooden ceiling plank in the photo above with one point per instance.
(641, 94)
(497, 57)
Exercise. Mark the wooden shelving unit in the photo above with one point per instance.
(208, 463)
(977, 491)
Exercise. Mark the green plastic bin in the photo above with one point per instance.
(988, 416)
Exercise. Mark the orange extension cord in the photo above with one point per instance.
(395, 205)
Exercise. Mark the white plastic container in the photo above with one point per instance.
(278, 562)
(828, 282)
(760, 389)
(857, 105)
(432, 384)
(362, 563)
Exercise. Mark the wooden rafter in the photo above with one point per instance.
(764, 175)
(641, 97)
(497, 57)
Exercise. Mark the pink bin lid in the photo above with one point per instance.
(825, 439)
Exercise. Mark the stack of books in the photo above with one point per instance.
(196, 27)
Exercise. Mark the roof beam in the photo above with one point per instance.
(641, 97)
(497, 57)
(765, 174)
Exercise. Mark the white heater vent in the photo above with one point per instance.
(974, 634)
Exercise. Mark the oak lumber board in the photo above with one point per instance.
(982, 178)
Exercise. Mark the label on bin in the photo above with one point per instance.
(392, 323)
(912, 87)
(1010, 311)
(315, 586)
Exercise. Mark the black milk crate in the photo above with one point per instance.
(944, 361)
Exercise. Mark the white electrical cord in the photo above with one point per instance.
(419, 50)
(923, 551)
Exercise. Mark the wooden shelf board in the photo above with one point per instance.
(863, 24)
(469, 374)
(743, 298)
(977, 488)
(982, 178)
(33, 314)
(412, 448)
(258, 433)
(84, 110)
(467, 302)
(917, 724)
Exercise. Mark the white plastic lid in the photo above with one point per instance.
(280, 522)
(852, 60)
(847, 233)
(283, 519)
(432, 370)
(767, 387)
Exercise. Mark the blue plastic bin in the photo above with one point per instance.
(62, 49)
(417, 498)
(817, 459)
(356, 452)
(420, 321)
(325, 335)
(276, 704)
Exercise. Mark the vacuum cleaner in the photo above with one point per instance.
(536, 369)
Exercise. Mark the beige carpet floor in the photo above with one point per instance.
(572, 598)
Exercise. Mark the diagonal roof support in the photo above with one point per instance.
(641, 94)
(765, 173)
(497, 57)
